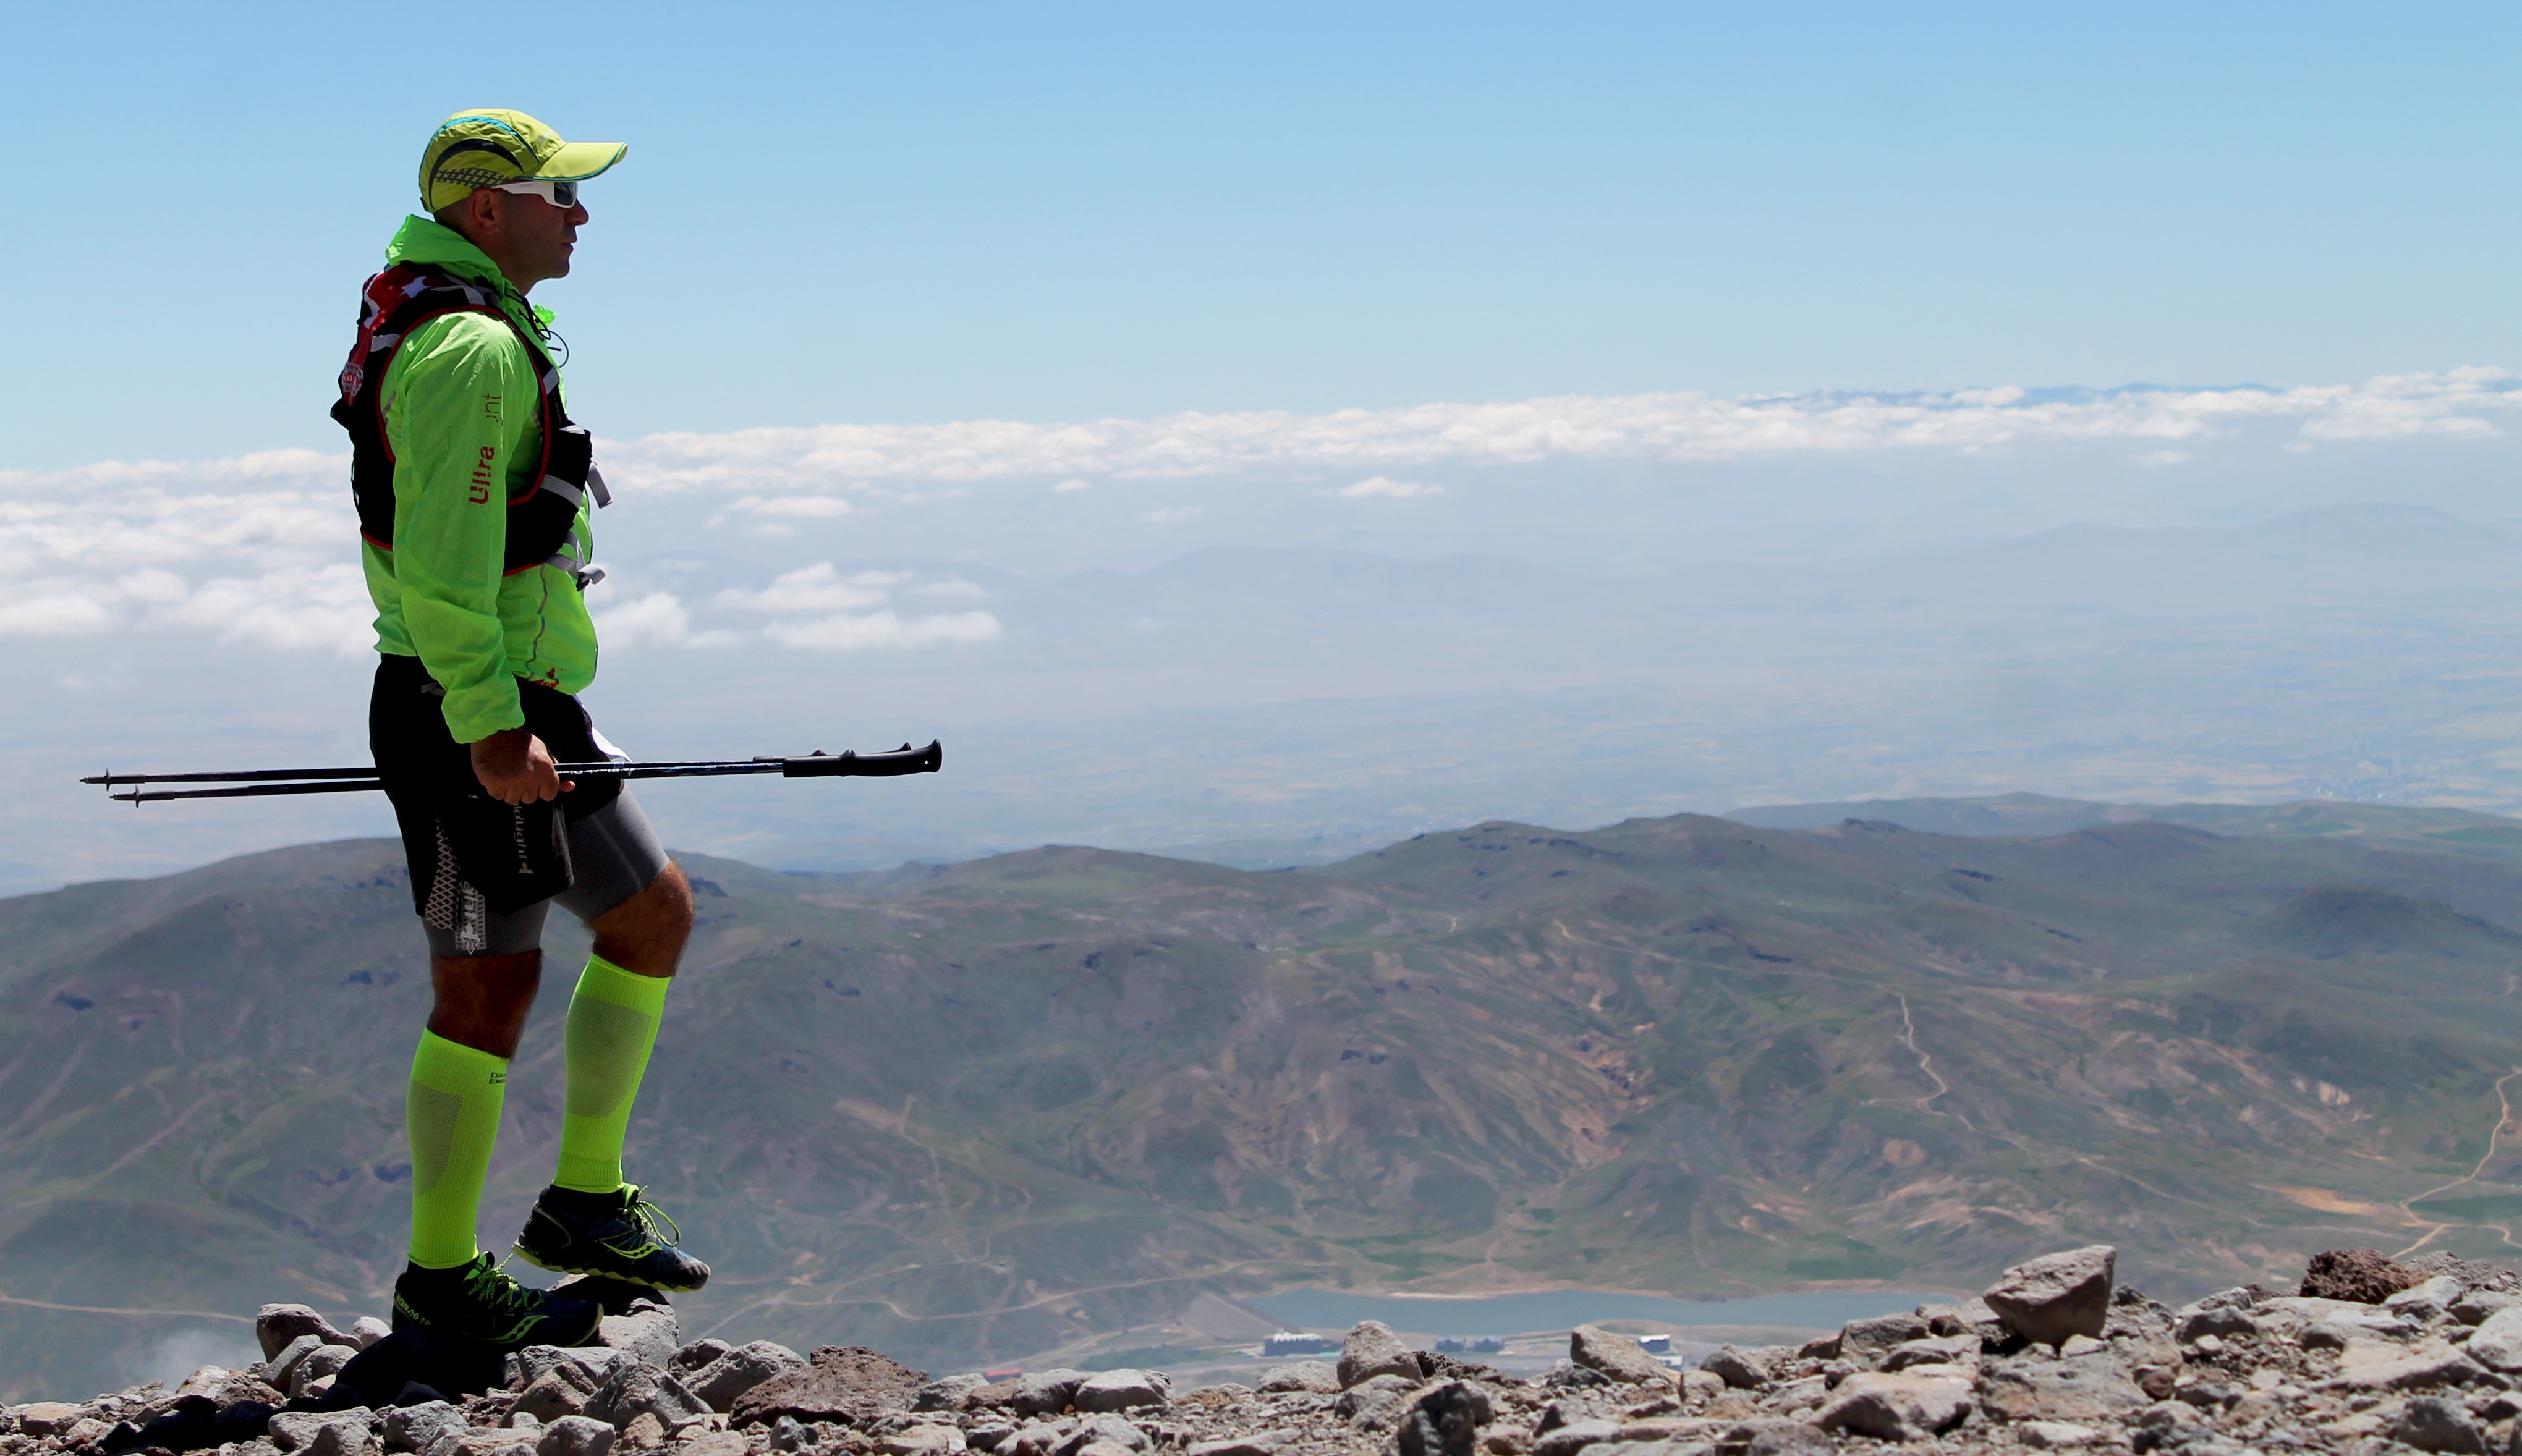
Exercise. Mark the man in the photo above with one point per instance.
(472, 485)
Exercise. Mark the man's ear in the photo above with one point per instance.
(487, 209)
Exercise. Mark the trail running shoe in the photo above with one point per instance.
(613, 1235)
(480, 1302)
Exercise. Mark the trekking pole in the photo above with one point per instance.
(264, 782)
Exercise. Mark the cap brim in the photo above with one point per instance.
(576, 161)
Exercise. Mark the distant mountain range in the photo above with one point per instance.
(1014, 1107)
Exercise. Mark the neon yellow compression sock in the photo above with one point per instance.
(612, 1026)
(452, 1115)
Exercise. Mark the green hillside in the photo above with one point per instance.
(974, 1113)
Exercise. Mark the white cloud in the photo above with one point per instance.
(54, 614)
(849, 625)
(884, 629)
(795, 505)
(292, 608)
(1385, 485)
(1671, 427)
(658, 618)
(819, 588)
(258, 549)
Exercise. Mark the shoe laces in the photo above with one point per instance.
(646, 1215)
(490, 1284)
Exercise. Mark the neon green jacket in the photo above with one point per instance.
(460, 391)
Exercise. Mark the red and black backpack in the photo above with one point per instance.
(541, 520)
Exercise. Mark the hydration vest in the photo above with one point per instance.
(543, 520)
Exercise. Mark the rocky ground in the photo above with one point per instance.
(2366, 1358)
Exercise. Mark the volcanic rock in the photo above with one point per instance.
(725, 1380)
(840, 1382)
(2358, 1276)
(1373, 1349)
(1895, 1407)
(2057, 1295)
(2431, 1423)
(1616, 1355)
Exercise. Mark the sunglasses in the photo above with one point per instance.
(558, 193)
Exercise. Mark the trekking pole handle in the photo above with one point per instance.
(856, 765)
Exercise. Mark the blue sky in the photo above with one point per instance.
(1042, 213)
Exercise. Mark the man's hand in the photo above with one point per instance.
(516, 768)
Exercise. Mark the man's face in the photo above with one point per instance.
(539, 237)
(529, 239)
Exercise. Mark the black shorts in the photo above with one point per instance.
(483, 872)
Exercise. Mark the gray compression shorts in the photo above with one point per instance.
(613, 854)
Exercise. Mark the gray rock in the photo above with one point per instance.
(1122, 1389)
(277, 1326)
(291, 1430)
(1445, 1421)
(788, 1434)
(274, 1370)
(647, 1331)
(2497, 1342)
(1046, 1393)
(700, 1354)
(2056, 1294)
(633, 1390)
(417, 1427)
(730, 1375)
(2427, 1301)
(1935, 1349)
(595, 1362)
(1374, 1401)
(2086, 1390)
(1741, 1369)
(1785, 1439)
(317, 1363)
(1373, 1349)
(521, 1420)
(1865, 1337)
(344, 1434)
(2431, 1423)
(1575, 1436)
(2223, 1321)
(1567, 1375)
(1616, 1355)
(1102, 1430)
(952, 1394)
(1303, 1374)
(1259, 1443)
(2420, 1369)
(43, 1417)
(576, 1436)
(1895, 1407)
(2474, 1307)
(561, 1391)
(367, 1330)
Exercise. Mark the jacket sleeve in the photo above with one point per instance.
(461, 399)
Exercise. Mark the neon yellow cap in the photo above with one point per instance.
(488, 146)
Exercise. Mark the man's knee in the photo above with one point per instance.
(646, 934)
(672, 899)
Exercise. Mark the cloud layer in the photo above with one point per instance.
(1664, 427)
(257, 550)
